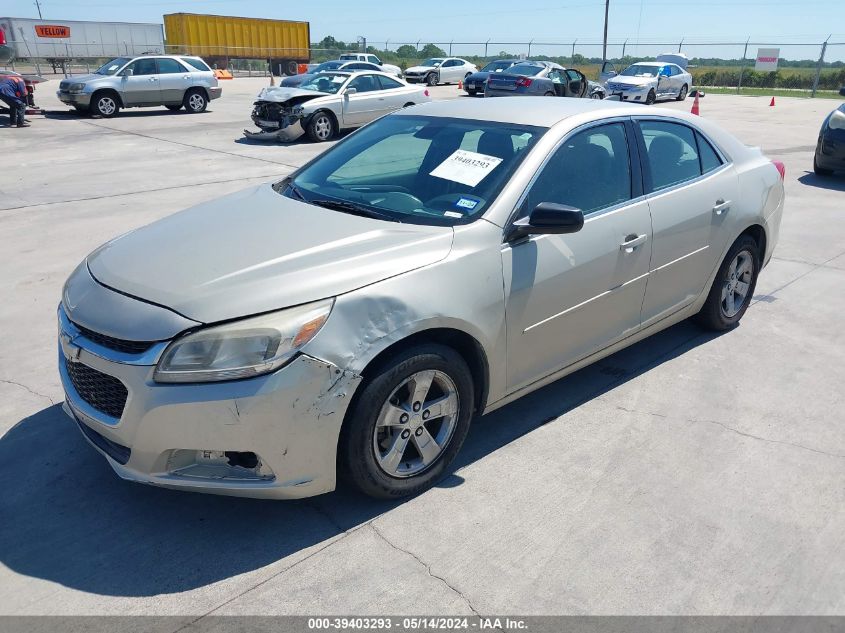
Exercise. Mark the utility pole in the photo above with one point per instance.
(604, 45)
(38, 4)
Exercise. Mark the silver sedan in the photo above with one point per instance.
(430, 267)
(328, 102)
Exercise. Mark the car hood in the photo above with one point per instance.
(632, 81)
(256, 251)
(281, 94)
(420, 69)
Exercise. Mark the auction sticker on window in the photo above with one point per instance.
(467, 168)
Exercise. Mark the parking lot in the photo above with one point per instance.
(690, 474)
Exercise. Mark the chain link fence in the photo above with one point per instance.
(805, 68)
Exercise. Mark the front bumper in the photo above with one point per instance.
(286, 134)
(830, 150)
(636, 94)
(74, 98)
(177, 435)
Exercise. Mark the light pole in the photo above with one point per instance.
(604, 45)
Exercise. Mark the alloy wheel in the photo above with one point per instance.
(106, 106)
(416, 424)
(323, 127)
(738, 279)
(196, 102)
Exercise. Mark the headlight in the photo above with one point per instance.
(242, 349)
(836, 120)
(76, 88)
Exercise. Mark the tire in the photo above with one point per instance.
(472, 93)
(105, 104)
(820, 171)
(549, 94)
(321, 127)
(364, 450)
(431, 79)
(597, 95)
(174, 108)
(195, 101)
(718, 312)
(683, 93)
(650, 98)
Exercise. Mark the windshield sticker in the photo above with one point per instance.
(453, 214)
(467, 168)
(338, 79)
(467, 203)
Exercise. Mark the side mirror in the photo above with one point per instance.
(128, 72)
(548, 218)
(351, 91)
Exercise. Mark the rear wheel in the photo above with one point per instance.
(472, 93)
(409, 422)
(195, 101)
(174, 108)
(596, 95)
(650, 98)
(733, 286)
(105, 104)
(549, 94)
(321, 127)
(820, 171)
(683, 93)
(432, 79)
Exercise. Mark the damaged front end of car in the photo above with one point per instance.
(279, 113)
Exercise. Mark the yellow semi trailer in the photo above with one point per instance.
(218, 38)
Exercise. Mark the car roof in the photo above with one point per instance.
(530, 110)
(653, 64)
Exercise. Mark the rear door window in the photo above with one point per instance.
(671, 152)
(167, 66)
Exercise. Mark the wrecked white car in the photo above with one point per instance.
(329, 102)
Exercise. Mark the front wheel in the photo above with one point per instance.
(321, 127)
(820, 171)
(549, 94)
(733, 286)
(409, 422)
(432, 79)
(683, 93)
(195, 101)
(596, 95)
(472, 93)
(650, 98)
(105, 105)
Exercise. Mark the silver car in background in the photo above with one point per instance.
(328, 102)
(437, 264)
(441, 70)
(173, 81)
(648, 82)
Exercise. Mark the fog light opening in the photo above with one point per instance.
(246, 459)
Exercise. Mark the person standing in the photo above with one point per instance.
(13, 94)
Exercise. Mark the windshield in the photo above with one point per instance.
(640, 70)
(416, 169)
(113, 66)
(328, 66)
(526, 70)
(496, 67)
(325, 82)
(432, 63)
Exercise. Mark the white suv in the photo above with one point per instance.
(372, 59)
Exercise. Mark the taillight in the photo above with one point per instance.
(2, 37)
(426, 93)
(523, 82)
(781, 168)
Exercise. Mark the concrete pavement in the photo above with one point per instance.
(690, 474)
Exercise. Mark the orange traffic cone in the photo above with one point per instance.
(460, 85)
(772, 103)
(695, 109)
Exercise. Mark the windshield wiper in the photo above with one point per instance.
(354, 209)
(296, 192)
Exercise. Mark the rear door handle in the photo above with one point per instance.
(722, 206)
(152, 78)
(632, 241)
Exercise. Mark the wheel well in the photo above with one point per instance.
(408, 105)
(329, 113)
(110, 91)
(197, 89)
(464, 344)
(758, 234)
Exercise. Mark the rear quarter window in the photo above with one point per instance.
(196, 64)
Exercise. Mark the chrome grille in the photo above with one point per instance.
(117, 344)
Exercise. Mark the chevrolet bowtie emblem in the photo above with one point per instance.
(71, 350)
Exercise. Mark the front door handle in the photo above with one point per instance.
(632, 241)
(152, 78)
(722, 206)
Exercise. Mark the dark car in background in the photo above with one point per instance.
(335, 64)
(548, 79)
(476, 82)
(830, 149)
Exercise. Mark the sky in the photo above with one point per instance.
(641, 22)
